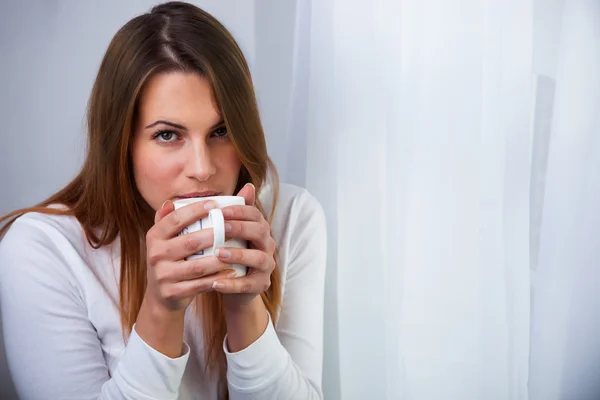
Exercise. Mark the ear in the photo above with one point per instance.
(248, 192)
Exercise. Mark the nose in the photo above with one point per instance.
(199, 163)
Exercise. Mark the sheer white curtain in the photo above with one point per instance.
(438, 139)
(429, 139)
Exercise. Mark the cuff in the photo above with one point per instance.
(145, 373)
(259, 364)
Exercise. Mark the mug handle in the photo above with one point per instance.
(218, 224)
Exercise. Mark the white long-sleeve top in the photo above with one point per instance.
(63, 335)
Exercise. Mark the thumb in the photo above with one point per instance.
(248, 192)
(164, 210)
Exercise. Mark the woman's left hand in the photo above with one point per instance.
(247, 223)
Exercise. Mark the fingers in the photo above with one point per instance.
(248, 192)
(253, 283)
(174, 221)
(181, 247)
(253, 258)
(193, 287)
(248, 223)
(258, 233)
(258, 279)
(192, 269)
(242, 213)
(165, 209)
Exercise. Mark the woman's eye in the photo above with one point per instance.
(165, 136)
(221, 132)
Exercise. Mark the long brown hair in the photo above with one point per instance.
(173, 36)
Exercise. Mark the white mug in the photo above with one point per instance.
(216, 221)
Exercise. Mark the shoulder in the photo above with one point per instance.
(41, 248)
(294, 206)
(46, 229)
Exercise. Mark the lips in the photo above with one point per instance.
(207, 193)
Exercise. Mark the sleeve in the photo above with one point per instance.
(52, 349)
(287, 364)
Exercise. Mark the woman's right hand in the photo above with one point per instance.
(173, 281)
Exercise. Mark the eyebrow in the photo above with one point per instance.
(174, 125)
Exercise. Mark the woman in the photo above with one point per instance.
(97, 298)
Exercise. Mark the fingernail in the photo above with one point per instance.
(218, 285)
(232, 274)
(163, 204)
(227, 227)
(222, 253)
(209, 205)
(250, 184)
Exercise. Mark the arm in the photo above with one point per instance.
(287, 364)
(52, 349)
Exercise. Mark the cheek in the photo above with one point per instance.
(228, 165)
(154, 173)
(229, 161)
(160, 169)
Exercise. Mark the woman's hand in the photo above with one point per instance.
(247, 223)
(172, 281)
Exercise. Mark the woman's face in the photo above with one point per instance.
(181, 146)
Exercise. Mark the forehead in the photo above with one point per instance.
(179, 96)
